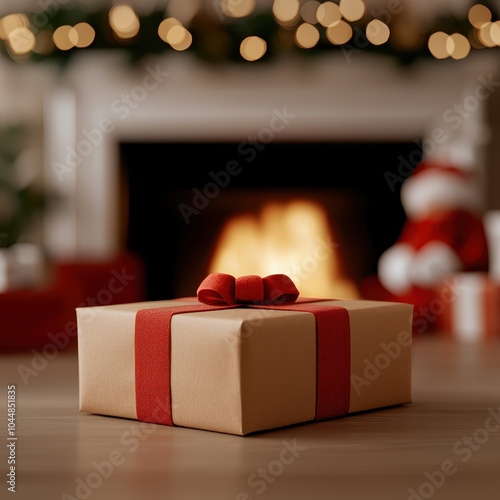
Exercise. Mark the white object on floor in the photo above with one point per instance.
(22, 265)
(491, 220)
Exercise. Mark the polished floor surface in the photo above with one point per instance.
(445, 445)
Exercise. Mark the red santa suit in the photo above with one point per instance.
(444, 233)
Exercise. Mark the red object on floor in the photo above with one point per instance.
(45, 318)
(424, 320)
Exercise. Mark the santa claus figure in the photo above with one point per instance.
(443, 234)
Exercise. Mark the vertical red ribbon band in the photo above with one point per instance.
(153, 350)
(152, 361)
(333, 357)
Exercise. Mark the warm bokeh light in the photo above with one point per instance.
(44, 43)
(61, 37)
(286, 12)
(339, 32)
(440, 45)
(302, 22)
(328, 13)
(166, 25)
(352, 10)
(489, 34)
(284, 238)
(124, 21)
(176, 35)
(473, 37)
(306, 36)
(495, 32)
(81, 35)
(185, 43)
(172, 31)
(461, 46)
(308, 11)
(237, 8)
(253, 48)
(10, 22)
(21, 41)
(479, 15)
(377, 32)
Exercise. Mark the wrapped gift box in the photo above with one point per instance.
(240, 367)
(467, 307)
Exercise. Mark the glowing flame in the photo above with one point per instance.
(293, 238)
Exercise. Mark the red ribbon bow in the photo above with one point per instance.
(225, 289)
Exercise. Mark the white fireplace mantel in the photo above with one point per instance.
(102, 102)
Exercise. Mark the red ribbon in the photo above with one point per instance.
(222, 291)
(152, 361)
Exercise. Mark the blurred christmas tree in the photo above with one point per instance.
(20, 198)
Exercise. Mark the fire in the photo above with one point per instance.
(292, 238)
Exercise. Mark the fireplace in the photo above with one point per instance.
(365, 109)
(193, 190)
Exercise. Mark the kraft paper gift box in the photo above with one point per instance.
(467, 307)
(245, 355)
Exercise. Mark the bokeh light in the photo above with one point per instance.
(21, 40)
(61, 37)
(253, 48)
(306, 36)
(308, 11)
(461, 46)
(438, 43)
(339, 32)
(124, 21)
(237, 8)
(81, 35)
(286, 12)
(352, 10)
(328, 13)
(479, 15)
(377, 32)
(489, 34)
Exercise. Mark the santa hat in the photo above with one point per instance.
(435, 186)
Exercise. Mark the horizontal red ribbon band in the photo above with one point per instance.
(153, 349)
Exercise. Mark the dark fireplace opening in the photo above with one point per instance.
(177, 196)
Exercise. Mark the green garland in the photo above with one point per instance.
(217, 41)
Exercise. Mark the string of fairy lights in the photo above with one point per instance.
(239, 30)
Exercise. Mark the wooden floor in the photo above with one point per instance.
(445, 445)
